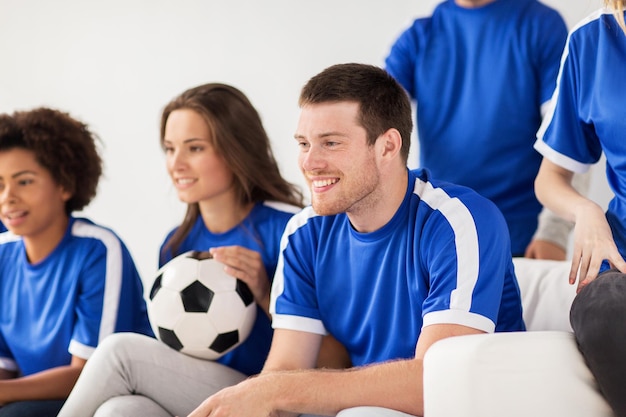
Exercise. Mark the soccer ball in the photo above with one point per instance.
(196, 308)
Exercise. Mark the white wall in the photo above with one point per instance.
(115, 64)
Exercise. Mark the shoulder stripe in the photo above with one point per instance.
(296, 222)
(466, 240)
(549, 107)
(114, 272)
(6, 237)
(277, 205)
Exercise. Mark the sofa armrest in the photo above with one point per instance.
(510, 374)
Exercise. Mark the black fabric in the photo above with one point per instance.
(598, 317)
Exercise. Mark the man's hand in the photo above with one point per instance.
(250, 398)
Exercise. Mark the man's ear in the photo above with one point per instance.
(391, 143)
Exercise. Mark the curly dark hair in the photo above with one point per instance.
(62, 145)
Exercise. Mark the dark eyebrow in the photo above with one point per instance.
(25, 172)
(20, 173)
(187, 140)
(321, 135)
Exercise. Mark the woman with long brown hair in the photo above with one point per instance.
(219, 159)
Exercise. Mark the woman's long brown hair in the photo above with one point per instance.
(238, 136)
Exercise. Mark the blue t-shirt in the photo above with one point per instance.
(479, 78)
(65, 305)
(2, 228)
(261, 232)
(588, 115)
(444, 257)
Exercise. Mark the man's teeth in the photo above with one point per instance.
(324, 183)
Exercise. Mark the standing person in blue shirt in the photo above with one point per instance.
(219, 158)
(65, 282)
(589, 118)
(481, 73)
(387, 260)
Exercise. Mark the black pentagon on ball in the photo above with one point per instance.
(169, 338)
(156, 286)
(200, 255)
(244, 292)
(225, 341)
(196, 298)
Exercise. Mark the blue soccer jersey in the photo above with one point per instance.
(260, 231)
(86, 289)
(588, 115)
(479, 77)
(444, 257)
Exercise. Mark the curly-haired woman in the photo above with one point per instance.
(65, 282)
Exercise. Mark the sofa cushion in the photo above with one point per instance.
(546, 293)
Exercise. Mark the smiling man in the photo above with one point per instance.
(387, 259)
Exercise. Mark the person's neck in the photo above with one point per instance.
(373, 214)
(223, 215)
(39, 246)
(472, 4)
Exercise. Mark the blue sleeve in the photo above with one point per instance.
(90, 304)
(401, 61)
(297, 295)
(466, 251)
(549, 42)
(110, 295)
(565, 137)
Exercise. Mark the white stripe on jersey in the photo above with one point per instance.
(560, 159)
(114, 272)
(278, 285)
(466, 241)
(277, 205)
(6, 237)
(550, 107)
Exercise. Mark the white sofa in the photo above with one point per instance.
(535, 373)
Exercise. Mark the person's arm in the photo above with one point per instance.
(286, 385)
(55, 383)
(551, 239)
(593, 240)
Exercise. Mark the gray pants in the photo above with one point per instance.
(134, 375)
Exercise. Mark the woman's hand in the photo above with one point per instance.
(593, 243)
(246, 265)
